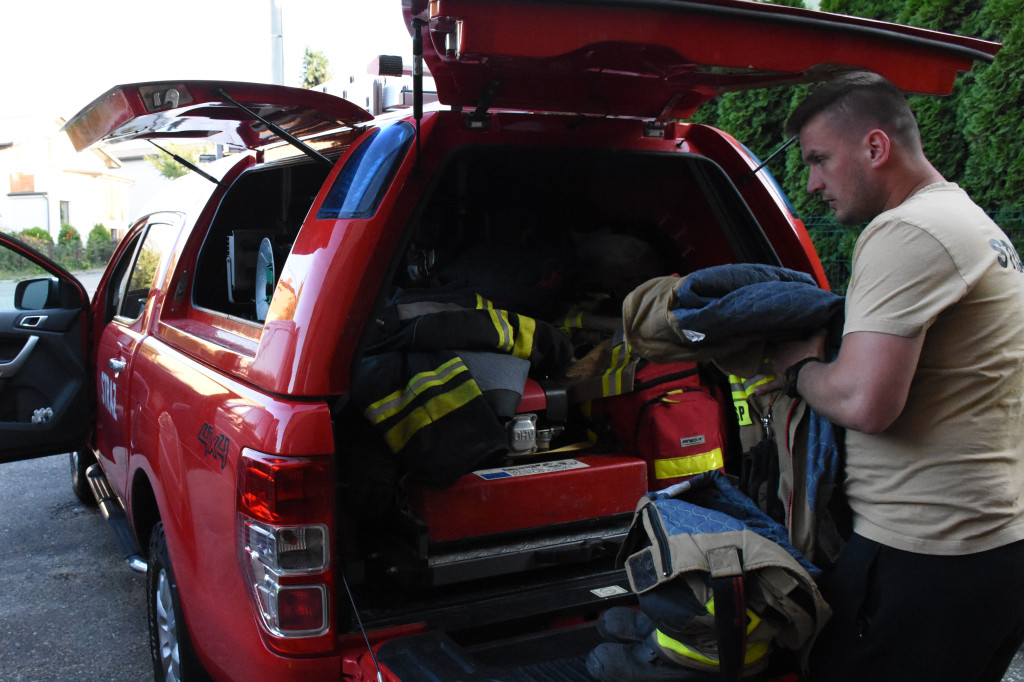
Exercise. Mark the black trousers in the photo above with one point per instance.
(905, 617)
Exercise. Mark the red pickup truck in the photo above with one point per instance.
(313, 492)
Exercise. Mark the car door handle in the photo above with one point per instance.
(116, 365)
(9, 369)
(32, 321)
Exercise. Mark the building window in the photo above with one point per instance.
(65, 213)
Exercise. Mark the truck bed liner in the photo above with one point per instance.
(558, 656)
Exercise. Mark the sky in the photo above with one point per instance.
(57, 56)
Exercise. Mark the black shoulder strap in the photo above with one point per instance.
(730, 610)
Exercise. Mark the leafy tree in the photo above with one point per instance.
(992, 111)
(942, 129)
(35, 235)
(972, 136)
(883, 10)
(14, 266)
(99, 246)
(757, 119)
(69, 235)
(315, 69)
(69, 247)
(168, 167)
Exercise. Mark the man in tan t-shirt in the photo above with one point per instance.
(929, 383)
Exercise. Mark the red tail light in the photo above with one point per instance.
(285, 516)
(283, 490)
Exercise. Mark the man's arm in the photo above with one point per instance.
(865, 388)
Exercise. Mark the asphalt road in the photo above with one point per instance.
(70, 609)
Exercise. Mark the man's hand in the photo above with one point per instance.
(778, 358)
(865, 388)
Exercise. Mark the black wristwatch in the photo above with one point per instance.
(792, 375)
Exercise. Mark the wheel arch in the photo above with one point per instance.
(145, 511)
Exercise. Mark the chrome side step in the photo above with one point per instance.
(113, 512)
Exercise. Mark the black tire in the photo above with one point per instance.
(170, 647)
(80, 461)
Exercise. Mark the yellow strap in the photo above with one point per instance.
(688, 466)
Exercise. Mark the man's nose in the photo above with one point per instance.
(814, 183)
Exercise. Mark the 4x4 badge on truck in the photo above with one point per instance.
(216, 445)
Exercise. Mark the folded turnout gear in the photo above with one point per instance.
(719, 580)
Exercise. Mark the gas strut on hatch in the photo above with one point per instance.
(188, 164)
(785, 145)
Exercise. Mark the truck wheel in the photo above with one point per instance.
(174, 659)
(80, 461)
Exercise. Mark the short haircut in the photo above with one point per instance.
(860, 96)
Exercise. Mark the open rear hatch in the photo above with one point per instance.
(661, 59)
(211, 111)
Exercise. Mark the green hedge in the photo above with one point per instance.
(68, 251)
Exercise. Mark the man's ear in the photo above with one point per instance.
(877, 147)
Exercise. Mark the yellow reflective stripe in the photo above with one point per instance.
(393, 403)
(753, 620)
(688, 466)
(741, 390)
(430, 411)
(611, 381)
(755, 651)
(572, 322)
(523, 346)
(483, 303)
(499, 318)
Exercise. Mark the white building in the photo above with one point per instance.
(45, 183)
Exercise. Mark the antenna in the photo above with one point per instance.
(355, 611)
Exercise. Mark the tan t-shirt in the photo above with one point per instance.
(948, 476)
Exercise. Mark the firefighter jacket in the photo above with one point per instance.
(439, 378)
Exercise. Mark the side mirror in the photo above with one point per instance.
(35, 294)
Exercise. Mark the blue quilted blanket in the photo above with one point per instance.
(726, 301)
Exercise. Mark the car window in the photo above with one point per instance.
(134, 285)
(252, 234)
(360, 186)
(15, 268)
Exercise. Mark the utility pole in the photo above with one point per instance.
(276, 43)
